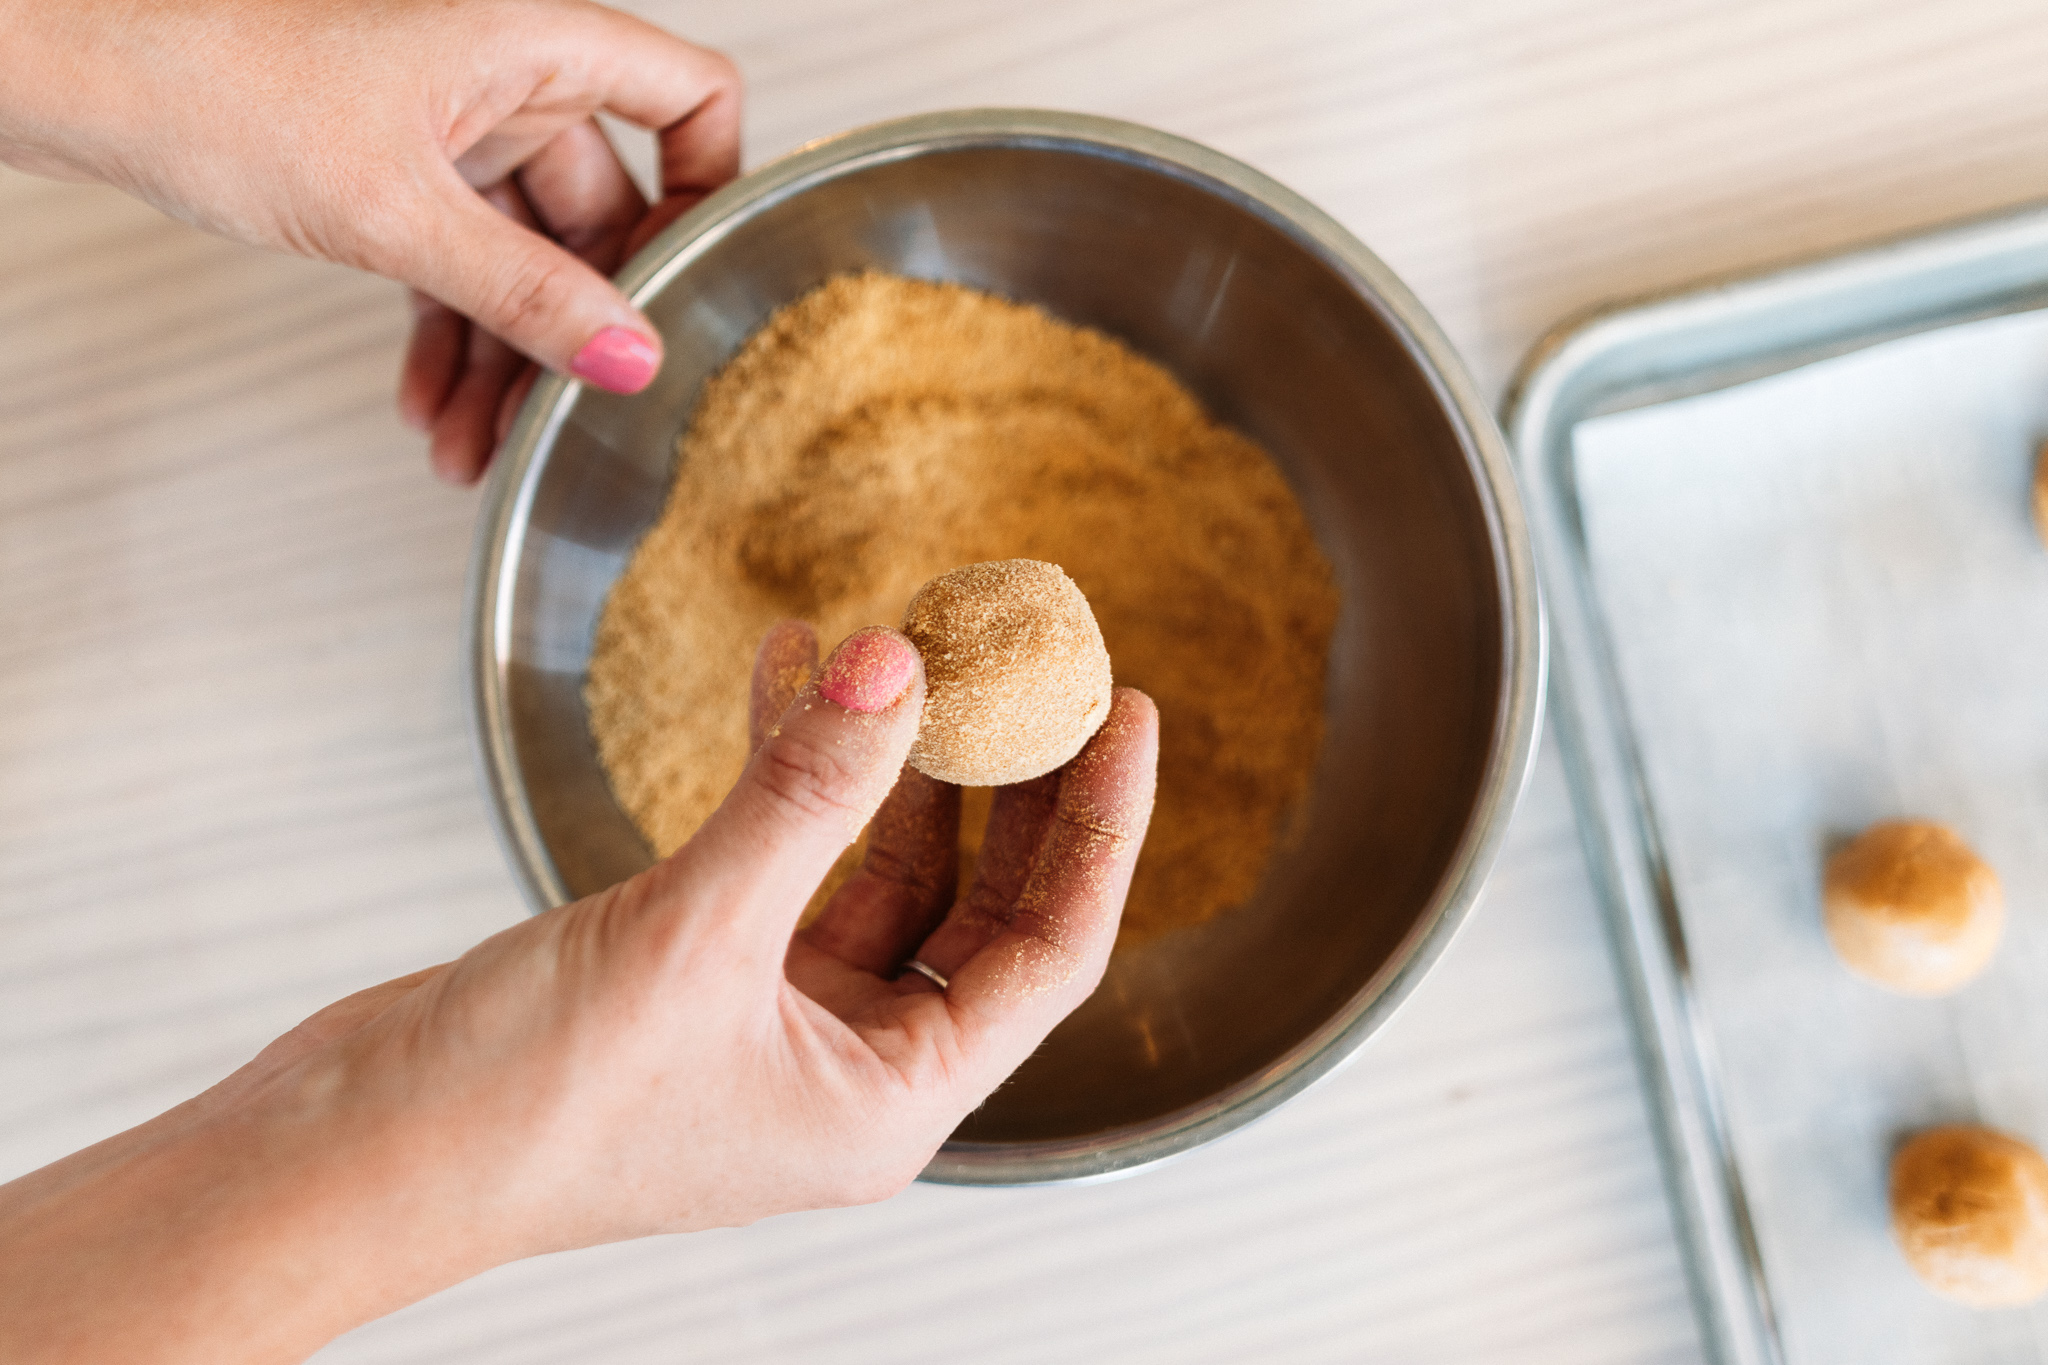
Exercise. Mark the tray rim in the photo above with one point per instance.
(1698, 338)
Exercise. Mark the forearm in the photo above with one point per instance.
(49, 101)
(180, 103)
(252, 1233)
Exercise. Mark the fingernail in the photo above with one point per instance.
(869, 671)
(618, 359)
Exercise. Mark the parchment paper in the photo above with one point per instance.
(1828, 607)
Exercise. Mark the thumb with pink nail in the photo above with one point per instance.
(668, 1055)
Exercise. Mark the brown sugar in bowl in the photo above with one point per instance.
(1284, 328)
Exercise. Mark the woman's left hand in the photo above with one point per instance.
(451, 145)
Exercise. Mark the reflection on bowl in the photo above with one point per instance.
(1286, 328)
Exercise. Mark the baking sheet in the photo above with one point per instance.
(1826, 605)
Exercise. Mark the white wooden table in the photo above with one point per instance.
(234, 770)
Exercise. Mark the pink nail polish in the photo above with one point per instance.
(618, 359)
(869, 671)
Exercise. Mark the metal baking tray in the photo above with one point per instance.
(1634, 356)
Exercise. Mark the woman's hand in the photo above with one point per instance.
(449, 144)
(661, 1057)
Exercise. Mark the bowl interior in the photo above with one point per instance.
(1278, 341)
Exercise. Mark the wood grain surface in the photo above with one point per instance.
(235, 779)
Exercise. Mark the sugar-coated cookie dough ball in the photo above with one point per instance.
(1909, 906)
(1016, 676)
(2041, 493)
(1970, 1210)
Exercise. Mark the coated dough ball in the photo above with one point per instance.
(1016, 678)
(1970, 1210)
(2041, 493)
(1909, 906)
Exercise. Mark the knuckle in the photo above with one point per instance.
(1060, 934)
(984, 908)
(530, 296)
(1094, 830)
(725, 71)
(918, 875)
(803, 780)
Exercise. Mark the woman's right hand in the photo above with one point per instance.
(662, 1056)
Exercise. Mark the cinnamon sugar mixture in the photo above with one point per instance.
(880, 431)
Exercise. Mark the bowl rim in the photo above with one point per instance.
(507, 502)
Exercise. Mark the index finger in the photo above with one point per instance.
(699, 152)
(647, 75)
(688, 95)
(1008, 996)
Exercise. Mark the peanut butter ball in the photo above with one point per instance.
(1909, 906)
(1970, 1210)
(1016, 676)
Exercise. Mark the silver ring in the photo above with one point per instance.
(926, 972)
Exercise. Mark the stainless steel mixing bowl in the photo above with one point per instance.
(1288, 329)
